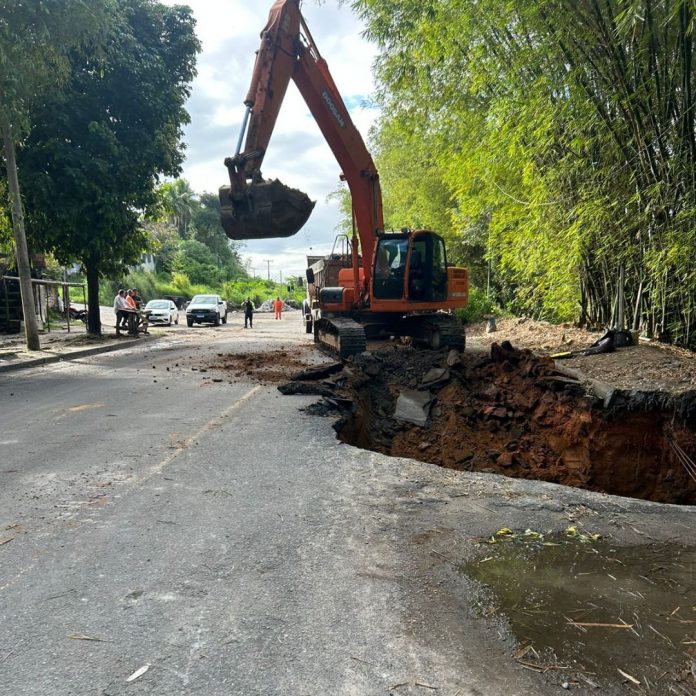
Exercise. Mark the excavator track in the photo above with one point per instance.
(342, 336)
(436, 331)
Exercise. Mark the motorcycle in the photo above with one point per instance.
(77, 314)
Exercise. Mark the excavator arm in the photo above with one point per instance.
(253, 208)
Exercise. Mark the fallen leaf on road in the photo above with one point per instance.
(80, 636)
(7, 540)
(629, 677)
(138, 673)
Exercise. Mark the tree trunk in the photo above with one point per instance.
(31, 326)
(93, 315)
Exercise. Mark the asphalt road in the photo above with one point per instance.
(215, 533)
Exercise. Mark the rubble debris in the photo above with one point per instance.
(435, 377)
(268, 367)
(454, 358)
(305, 388)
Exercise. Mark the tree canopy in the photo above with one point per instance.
(551, 142)
(190, 238)
(36, 37)
(98, 146)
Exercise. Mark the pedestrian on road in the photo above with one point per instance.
(130, 300)
(278, 307)
(121, 310)
(248, 307)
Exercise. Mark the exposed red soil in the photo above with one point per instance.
(511, 412)
(516, 415)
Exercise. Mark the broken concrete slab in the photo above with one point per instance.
(435, 377)
(413, 406)
(454, 358)
(317, 373)
(306, 389)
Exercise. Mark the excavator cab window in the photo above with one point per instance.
(427, 269)
(438, 285)
(390, 268)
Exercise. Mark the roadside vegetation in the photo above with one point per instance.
(98, 136)
(191, 254)
(552, 143)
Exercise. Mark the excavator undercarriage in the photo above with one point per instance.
(346, 336)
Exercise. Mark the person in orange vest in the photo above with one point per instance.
(278, 307)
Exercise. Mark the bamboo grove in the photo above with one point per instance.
(553, 143)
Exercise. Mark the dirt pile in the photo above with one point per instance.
(514, 413)
(267, 367)
(649, 366)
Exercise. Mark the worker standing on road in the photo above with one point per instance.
(248, 307)
(278, 307)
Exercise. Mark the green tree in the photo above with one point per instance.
(558, 139)
(36, 37)
(91, 163)
(208, 230)
(178, 201)
(197, 261)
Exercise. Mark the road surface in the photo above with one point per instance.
(215, 534)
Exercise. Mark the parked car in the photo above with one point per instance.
(211, 309)
(162, 312)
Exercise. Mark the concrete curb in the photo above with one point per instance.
(72, 355)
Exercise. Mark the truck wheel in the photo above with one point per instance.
(308, 326)
(224, 319)
(217, 320)
(189, 322)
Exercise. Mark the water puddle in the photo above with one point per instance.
(595, 615)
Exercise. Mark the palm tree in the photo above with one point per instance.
(179, 202)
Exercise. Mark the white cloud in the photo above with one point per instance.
(297, 154)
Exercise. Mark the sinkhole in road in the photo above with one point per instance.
(589, 611)
(512, 413)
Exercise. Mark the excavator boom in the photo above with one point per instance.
(253, 208)
(259, 209)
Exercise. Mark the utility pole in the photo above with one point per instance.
(253, 271)
(268, 262)
(281, 277)
(31, 325)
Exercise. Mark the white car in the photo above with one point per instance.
(211, 309)
(162, 312)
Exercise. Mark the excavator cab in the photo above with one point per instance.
(410, 266)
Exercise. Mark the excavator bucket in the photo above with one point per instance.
(268, 209)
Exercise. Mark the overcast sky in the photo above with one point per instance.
(297, 155)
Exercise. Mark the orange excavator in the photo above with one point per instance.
(397, 284)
